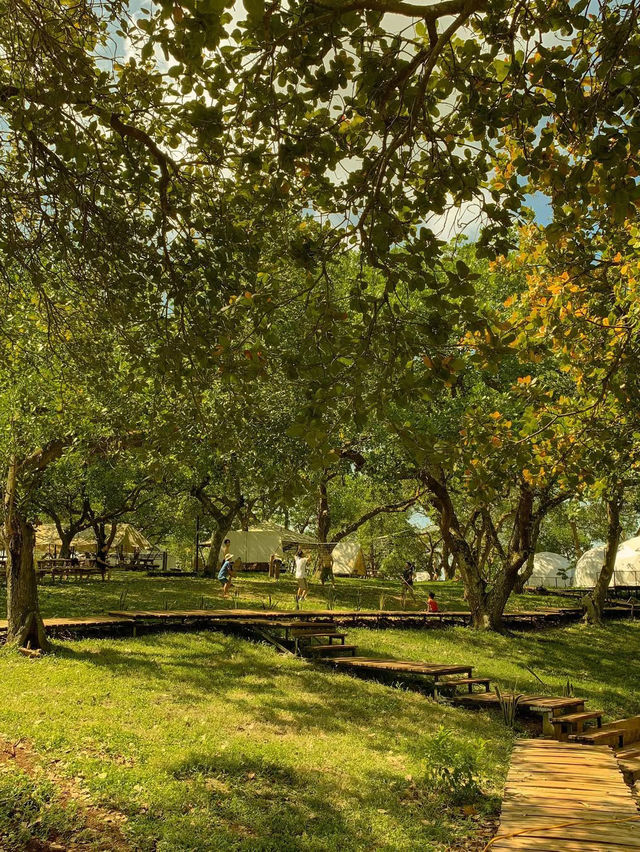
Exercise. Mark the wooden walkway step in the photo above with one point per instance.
(629, 760)
(617, 734)
(434, 670)
(566, 797)
(469, 682)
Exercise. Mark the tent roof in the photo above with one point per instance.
(127, 537)
(626, 570)
(548, 561)
(270, 529)
(47, 536)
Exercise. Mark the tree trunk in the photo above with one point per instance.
(523, 577)
(213, 557)
(324, 517)
(475, 592)
(449, 569)
(65, 547)
(503, 587)
(594, 602)
(576, 539)
(25, 625)
(104, 541)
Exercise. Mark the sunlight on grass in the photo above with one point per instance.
(208, 742)
(131, 590)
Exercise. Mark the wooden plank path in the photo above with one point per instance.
(173, 619)
(566, 797)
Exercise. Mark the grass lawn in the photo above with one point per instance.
(206, 742)
(131, 590)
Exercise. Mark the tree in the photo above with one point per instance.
(92, 495)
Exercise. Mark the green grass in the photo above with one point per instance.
(207, 742)
(131, 590)
(602, 664)
(204, 742)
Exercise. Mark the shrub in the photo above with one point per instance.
(452, 768)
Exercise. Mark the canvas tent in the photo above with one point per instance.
(348, 559)
(552, 570)
(127, 539)
(47, 539)
(625, 573)
(255, 545)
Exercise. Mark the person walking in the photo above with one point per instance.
(302, 566)
(408, 575)
(225, 574)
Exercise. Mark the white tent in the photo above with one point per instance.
(552, 570)
(255, 545)
(626, 571)
(348, 559)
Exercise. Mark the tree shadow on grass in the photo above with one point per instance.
(602, 664)
(276, 691)
(265, 803)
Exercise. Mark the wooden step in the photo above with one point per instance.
(628, 751)
(618, 734)
(613, 737)
(629, 762)
(303, 634)
(329, 650)
(434, 670)
(463, 681)
(574, 722)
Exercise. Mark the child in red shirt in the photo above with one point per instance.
(432, 604)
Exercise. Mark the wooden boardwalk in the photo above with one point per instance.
(115, 622)
(566, 797)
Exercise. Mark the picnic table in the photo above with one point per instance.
(66, 568)
(141, 562)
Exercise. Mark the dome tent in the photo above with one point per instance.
(626, 571)
(552, 570)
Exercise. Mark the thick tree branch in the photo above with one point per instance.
(379, 510)
(399, 7)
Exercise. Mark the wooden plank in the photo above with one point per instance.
(565, 797)
(594, 828)
(541, 844)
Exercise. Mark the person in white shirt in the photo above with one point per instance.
(302, 564)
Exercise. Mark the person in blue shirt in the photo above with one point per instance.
(225, 573)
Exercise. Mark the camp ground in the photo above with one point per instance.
(319, 425)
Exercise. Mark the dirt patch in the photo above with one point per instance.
(99, 827)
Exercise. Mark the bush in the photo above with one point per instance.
(452, 768)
